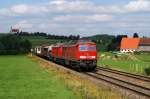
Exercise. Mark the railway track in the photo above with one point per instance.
(136, 83)
(136, 76)
(140, 90)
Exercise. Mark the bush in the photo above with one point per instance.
(147, 71)
(137, 53)
(13, 44)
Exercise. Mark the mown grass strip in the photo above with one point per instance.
(21, 78)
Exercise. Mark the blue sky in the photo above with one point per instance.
(84, 17)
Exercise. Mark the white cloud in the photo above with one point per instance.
(48, 25)
(58, 2)
(23, 25)
(28, 9)
(6, 12)
(138, 5)
(20, 9)
(83, 19)
(23, 9)
(83, 6)
(88, 6)
(91, 7)
(74, 7)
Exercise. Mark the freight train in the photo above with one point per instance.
(81, 55)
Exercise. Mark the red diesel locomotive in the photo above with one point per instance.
(80, 55)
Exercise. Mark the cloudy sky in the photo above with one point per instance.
(84, 17)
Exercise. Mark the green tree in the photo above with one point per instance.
(13, 44)
(115, 43)
(135, 35)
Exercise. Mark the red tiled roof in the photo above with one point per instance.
(129, 43)
(15, 30)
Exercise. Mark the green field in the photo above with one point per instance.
(21, 78)
(130, 63)
(144, 57)
(39, 40)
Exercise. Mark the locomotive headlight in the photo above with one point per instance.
(82, 56)
(93, 56)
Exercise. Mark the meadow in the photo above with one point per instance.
(21, 78)
(135, 63)
(39, 40)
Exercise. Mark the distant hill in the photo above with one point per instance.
(39, 40)
(100, 36)
(102, 40)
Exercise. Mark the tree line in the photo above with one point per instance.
(13, 44)
(49, 36)
(107, 42)
(116, 42)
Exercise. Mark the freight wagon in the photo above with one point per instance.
(43, 51)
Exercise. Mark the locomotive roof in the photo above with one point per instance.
(77, 42)
(72, 43)
(86, 42)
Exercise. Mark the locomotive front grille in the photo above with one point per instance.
(89, 62)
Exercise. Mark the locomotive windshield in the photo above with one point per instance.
(92, 48)
(83, 48)
(87, 48)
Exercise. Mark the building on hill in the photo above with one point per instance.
(14, 30)
(144, 45)
(130, 45)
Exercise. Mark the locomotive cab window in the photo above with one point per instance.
(87, 48)
(83, 48)
(92, 48)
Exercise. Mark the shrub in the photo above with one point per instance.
(137, 53)
(147, 71)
